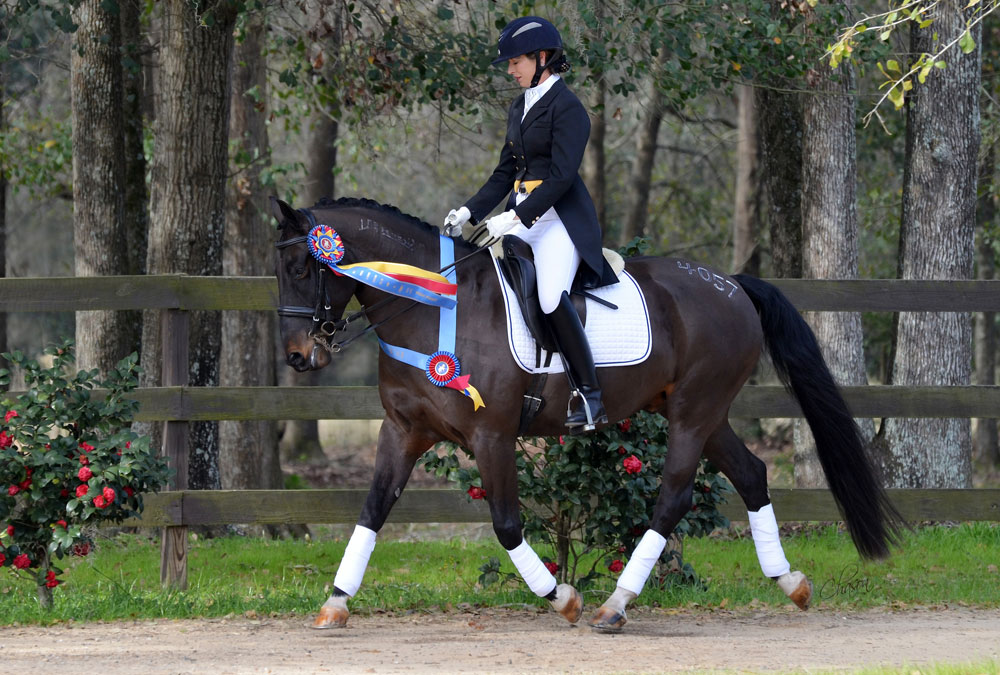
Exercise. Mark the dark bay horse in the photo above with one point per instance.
(708, 330)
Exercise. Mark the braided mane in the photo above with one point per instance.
(349, 202)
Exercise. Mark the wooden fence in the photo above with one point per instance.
(177, 404)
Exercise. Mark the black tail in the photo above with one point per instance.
(871, 519)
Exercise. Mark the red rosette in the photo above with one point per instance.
(442, 368)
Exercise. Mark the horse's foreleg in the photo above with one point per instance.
(396, 455)
(497, 467)
(673, 502)
(749, 476)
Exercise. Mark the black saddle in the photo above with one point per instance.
(518, 267)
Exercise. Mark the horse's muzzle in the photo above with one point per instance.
(312, 358)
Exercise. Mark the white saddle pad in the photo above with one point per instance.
(618, 337)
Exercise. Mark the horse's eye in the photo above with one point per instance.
(301, 271)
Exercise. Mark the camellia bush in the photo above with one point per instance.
(69, 462)
(591, 497)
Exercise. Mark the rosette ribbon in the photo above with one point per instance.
(442, 368)
(406, 281)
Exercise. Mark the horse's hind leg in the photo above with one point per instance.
(686, 443)
(749, 476)
(397, 453)
(498, 468)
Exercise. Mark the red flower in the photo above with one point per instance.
(128, 445)
(50, 579)
(552, 567)
(99, 502)
(621, 450)
(10, 530)
(5, 440)
(477, 492)
(84, 460)
(632, 464)
(109, 494)
(3, 558)
(22, 562)
(62, 524)
(84, 474)
(560, 440)
(624, 426)
(13, 490)
(64, 492)
(25, 484)
(86, 447)
(81, 490)
(81, 549)
(621, 549)
(129, 491)
(9, 415)
(616, 566)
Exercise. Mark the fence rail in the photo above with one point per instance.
(276, 507)
(177, 404)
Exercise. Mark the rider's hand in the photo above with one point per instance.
(498, 225)
(455, 220)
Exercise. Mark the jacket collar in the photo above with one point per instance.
(541, 104)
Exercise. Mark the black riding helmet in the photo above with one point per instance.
(532, 34)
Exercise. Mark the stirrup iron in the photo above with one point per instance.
(589, 425)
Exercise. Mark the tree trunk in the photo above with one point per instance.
(3, 207)
(248, 451)
(637, 190)
(188, 194)
(593, 167)
(746, 208)
(320, 179)
(136, 219)
(830, 238)
(103, 337)
(985, 446)
(936, 242)
(779, 129)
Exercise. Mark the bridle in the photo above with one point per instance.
(325, 323)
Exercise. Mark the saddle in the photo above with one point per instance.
(518, 267)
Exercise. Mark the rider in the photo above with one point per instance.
(550, 208)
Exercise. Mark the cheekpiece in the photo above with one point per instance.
(326, 245)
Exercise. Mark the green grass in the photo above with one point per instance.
(938, 565)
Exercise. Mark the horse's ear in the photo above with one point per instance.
(283, 212)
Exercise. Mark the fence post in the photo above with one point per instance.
(174, 331)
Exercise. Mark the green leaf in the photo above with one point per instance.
(966, 43)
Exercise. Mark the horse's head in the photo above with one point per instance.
(311, 297)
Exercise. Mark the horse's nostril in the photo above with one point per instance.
(295, 360)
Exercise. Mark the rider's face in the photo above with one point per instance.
(522, 69)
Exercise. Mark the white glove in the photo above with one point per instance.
(455, 220)
(498, 225)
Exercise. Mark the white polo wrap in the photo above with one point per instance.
(644, 557)
(355, 561)
(532, 569)
(764, 528)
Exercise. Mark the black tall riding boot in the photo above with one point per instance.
(573, 345)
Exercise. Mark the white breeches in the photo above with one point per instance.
(556, 258)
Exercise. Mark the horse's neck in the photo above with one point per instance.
(376, 235)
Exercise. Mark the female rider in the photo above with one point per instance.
(549, 206)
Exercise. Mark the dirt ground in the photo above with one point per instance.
(512, 641)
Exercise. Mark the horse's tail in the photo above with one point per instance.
(872, 521)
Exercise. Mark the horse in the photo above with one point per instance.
(708, 330)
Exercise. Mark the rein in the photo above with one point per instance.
(325, 326)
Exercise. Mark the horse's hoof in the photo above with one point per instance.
(568, 602)
(608, 620)
(798, 588)
(331, 616)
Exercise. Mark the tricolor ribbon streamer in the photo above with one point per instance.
(407, 281)
(430, 288)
